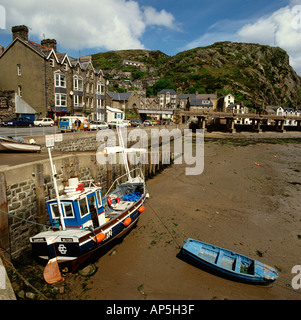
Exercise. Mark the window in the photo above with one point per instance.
(19, 91)
(83, 207)
(99, 199)
(92, 202)
(100, 88)
(60, 80)
(54, 211)
(78, 83)
(68, 210)
(77, 100)
(19, 69)
(60, 100)
(51, 63)
(87, 88)
(65, 66)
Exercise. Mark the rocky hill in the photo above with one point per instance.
(257, 75)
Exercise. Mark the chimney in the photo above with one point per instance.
(49, 43)
(20, 32)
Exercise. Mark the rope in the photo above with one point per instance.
(279, 282)
(9, 263)
(33, 222)
(162, 222)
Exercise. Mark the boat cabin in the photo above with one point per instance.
(81, 207)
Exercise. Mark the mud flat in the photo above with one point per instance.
(246, 200)
(236, 204)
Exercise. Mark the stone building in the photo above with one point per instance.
(167, 98)
(123, 101)
(52, 83)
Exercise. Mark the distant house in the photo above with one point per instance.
(274, 110)
(224, 102)
(195, 104)
(184, 98)
(239, 109)
(114, 114)
(122, 101)
(167, 98)
(149, 103)
(130, 63)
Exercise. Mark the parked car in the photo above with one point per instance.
(98, 125)
(126, 122)
(113, 124)
(19, 122)
(136, 123)
(147, 123)
(44, 122)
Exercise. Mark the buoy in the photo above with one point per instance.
(141, 209)
(255, 163)
(99, 237)
(275, 157)
(127, 222)
(113, 201)
(258, 164)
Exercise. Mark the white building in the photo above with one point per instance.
(114, 114)
(225, 101)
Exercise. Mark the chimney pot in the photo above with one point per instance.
(20, 32)
(49, 43)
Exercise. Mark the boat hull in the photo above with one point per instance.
(72, 245)
(228, 264)
(19, 147)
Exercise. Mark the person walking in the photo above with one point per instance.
(85, 125)
(77, 124)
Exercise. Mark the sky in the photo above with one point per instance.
(171, 26)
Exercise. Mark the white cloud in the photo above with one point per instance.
(162, 18)
(77, 24)
(276, 29)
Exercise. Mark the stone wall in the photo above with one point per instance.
(7, 105)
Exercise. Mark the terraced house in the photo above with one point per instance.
(52, 83)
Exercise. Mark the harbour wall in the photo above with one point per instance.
(25, 188)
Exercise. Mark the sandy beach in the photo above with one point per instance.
(251, 209)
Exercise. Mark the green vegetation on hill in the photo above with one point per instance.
(256, 75)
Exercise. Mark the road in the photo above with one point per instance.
(25, 131)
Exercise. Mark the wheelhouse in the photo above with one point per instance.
(80, 208)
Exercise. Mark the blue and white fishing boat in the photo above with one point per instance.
(228, 263)
(83, 220)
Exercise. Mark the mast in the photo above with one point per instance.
(125, 160)
(54, 173)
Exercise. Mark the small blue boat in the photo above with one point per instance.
(228, 263)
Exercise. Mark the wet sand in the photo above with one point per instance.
(235, 204)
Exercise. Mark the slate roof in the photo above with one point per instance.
(116, 96)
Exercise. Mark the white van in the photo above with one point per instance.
(67, 123)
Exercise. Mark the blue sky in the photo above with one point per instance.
(91, 26)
